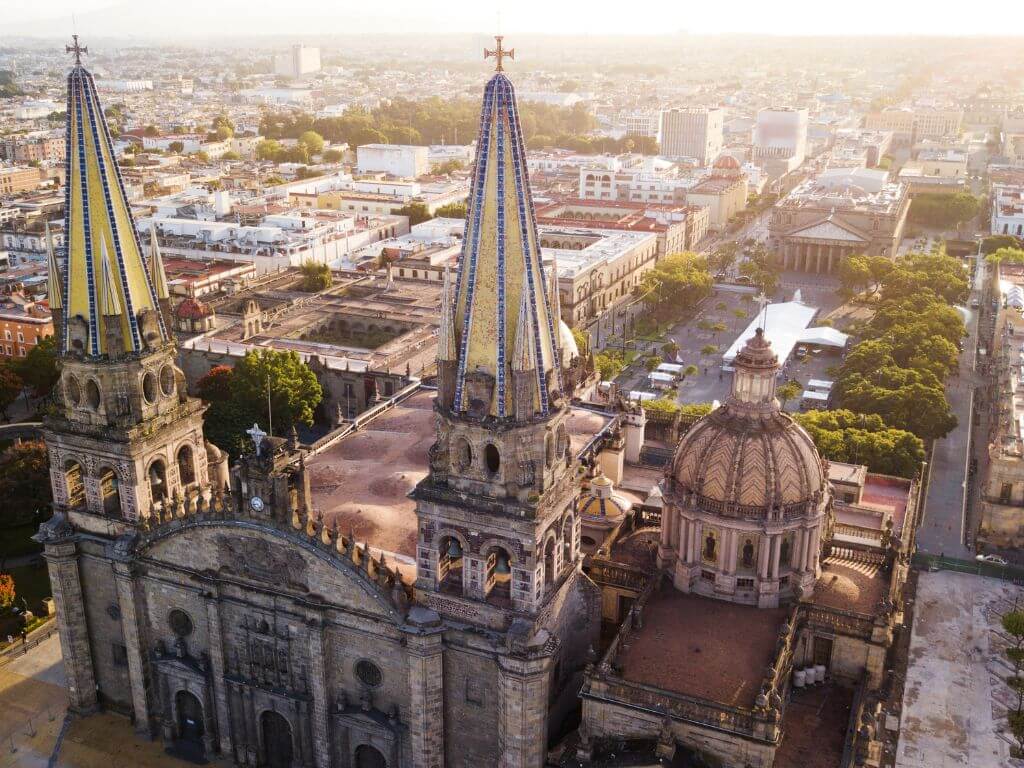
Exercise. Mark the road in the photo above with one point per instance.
(943, 525)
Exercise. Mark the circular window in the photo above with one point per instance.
(92, 394)
(463, 454)
(181, 623)
(73, 390)
(149, 387)
(167, 380)
(369, 674)
(492, 458)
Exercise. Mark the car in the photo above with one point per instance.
(992, 559)
(975, 303)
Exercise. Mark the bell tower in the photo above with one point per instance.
(497, 537)
(125, 444)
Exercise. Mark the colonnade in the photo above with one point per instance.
(816, 257)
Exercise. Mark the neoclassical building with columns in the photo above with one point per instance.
(842, 212)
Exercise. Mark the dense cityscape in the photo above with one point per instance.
(521, 400)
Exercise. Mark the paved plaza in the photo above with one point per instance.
(954, 701)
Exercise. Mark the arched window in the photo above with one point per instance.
(450, 566)
(186, 466)
(568, 540)
(74, 482)
(498, 586)
(109, 492)
(158, 480)
(549, 561)
(369, 757)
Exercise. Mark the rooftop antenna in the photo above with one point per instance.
(763, 301)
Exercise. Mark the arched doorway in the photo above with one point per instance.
(190, 721)
(368, 757)
(277, 740)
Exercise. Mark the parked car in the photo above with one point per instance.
(993, 559)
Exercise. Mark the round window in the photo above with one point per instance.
(369, 674)
(492, 458)
(181, 623)
(463, 454)
(149, 387)
(167, 380)
(92, 394)
(73, 390)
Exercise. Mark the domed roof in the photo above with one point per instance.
(602, 501)
(190, 309)
(727, 163)
(567, 342)
(748, 452)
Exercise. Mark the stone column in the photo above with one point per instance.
(731, 552)
(812, 548)
(65, 580)
(318, 687)
(125, 583)
(801, 558)
(523, 715)
(685, 545)
(220, 696)
(818, 256)
(666, 527)
(776, 548)
(425, 644)
(695, 541)
(762, 557)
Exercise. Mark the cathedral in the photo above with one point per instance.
(537, 597)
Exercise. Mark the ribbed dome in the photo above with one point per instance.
(748, 452)
(730, 458)
(602, 501)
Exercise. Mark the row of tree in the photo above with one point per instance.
(943, 210)
(909, 347)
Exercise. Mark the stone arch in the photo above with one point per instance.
(569, 543)
(368, 756)
(156, 477)
(189, 717)
(497, 572)
(184, 457)
(110, 491)
(277, 739)
(550, 554)
(451, 561)
(74, 483)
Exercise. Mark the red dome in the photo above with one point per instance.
(190, 309)
(727, 163)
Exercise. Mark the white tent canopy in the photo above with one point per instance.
(784, 324)
(824, 336)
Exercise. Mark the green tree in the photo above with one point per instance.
(332, 156)
(417, 213)
(448, 167)
(231, 155)
(709, 349)
(151, 131)
(1007, 255)
(993, 243)
(1013, 625)
(582, 339)
(788, 391)
(451, 211)
(177, 147)
(10, 387)
(943, 210)
(313, 142)
(6, 592)
(222, 123)
(941, 274)
(608, 364)
(760, 270)
(690, 370)
(39, 369)
(670, 349)
(677, 282)
(315, 277)
(24, 484)
(858, 438)
(724, 256)
(268, 149)
(653, 362)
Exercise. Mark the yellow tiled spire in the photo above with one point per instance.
(53, 280)
(156, 267)
(500, 268)
(98, 221)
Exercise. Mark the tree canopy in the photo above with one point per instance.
(417, 213)
(238, 396)
(858, 438)
(1007, 255)
(677, 282)
(24, 484)
(39, 369)
(315, 277)
(943, 210)
(10, 387)
(860, 274)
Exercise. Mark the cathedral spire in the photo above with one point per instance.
(446, 333)
(525, 356)
(53, 289)
(98, 220)
(500, 269)
(156, 267)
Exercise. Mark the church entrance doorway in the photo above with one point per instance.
(368, 757)
(277, 740)
(822, 651)
(190, 721)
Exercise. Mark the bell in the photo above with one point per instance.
(502, 566)
(454, 549)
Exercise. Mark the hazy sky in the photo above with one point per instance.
(776, 17)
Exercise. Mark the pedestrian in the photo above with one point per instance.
(10, 639)
(24, 637)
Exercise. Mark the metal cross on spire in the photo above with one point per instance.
(76, 49)
(499, 53)
(763, 302)
(257, 436)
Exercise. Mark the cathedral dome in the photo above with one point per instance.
(603, 502)
(748, 453)
(726, 163)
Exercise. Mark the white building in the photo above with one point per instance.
(124, 86)
(402, 160)
(781, 134)
(297, 62)
(1008, 209)
(643, 124)
(692, 132)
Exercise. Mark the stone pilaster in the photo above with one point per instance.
(426, 687)
(523, 715)
(126, 600)
(62, 560)
(318, 686)
(220, 697)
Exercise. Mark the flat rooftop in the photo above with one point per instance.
(700, 647)
(814, 728)
(850, 585)
(362, 482)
